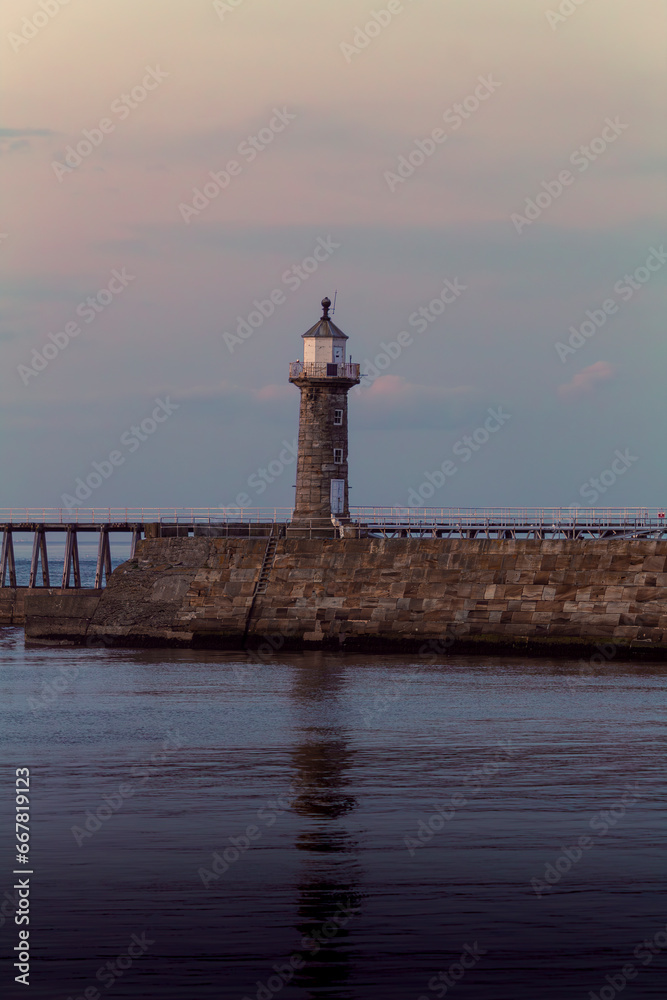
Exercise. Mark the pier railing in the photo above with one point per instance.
(514, 522)
(141, 515)
(388, 522)
(446, 517)
(510, 517)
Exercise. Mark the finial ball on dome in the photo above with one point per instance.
(326, 306)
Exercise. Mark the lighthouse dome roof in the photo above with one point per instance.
(325, 327)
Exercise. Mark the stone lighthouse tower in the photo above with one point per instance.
(324, 378)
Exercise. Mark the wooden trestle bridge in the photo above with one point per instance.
(387, 522)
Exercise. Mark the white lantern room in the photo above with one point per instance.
(324, 343)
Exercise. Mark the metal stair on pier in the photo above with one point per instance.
(264, 573)
(267, 564)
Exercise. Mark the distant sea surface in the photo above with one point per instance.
(87, 565)
(334, 826)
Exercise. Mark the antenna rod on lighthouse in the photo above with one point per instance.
(334, 305)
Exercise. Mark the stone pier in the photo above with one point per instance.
(501, 595)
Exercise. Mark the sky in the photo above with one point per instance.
(481, 181)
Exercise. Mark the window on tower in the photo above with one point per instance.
(338, 418)
(338, 456)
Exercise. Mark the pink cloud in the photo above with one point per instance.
(389, 385)
(393, 401)
(273, 392)
(395, 387)
(586, 380)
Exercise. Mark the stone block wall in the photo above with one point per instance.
(367, 593)
(12, 605)
(318, 437)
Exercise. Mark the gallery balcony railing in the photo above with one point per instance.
(323, 369)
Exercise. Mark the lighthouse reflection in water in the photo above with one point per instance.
(337, 826)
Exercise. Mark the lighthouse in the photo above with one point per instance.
(324, 378)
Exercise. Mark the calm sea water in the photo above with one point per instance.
(247, 819)
(87, 563)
